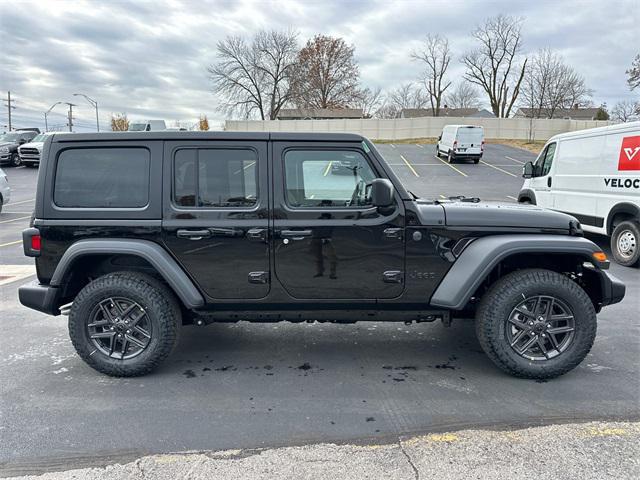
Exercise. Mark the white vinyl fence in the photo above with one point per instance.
(407, 128)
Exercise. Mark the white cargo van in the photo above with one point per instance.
(593, 175)
(147, 126)
(460, 142)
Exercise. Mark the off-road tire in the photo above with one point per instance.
(497, 304)
(159, 303)
(631, 228)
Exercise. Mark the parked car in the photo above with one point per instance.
(5, 189)
(147, 126)
(594, 175)
(461, 142)
(9, 143)
(228, 226)
(30, 152)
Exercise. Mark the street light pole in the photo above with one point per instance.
(94, 104)
(71, 105)
(46, 126)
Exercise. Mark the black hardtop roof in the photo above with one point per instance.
(181, 135)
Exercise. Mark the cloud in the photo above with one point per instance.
(149, 59)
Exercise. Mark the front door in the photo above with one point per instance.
(542, 181)
(216, 215)
(329, 241)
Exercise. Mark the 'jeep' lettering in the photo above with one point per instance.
(622, 182)
(629, 158)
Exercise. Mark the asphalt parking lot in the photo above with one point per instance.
(243, 386)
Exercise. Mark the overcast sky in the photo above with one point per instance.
(149, 59)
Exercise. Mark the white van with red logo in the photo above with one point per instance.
(593, 175)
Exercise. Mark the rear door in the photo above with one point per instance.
(470, 140)
(215, 218)
(329, 241)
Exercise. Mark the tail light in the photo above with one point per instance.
(31, 242)
(482, 146)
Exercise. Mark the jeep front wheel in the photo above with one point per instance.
(536, 324)
(624, 243)
(124, 324)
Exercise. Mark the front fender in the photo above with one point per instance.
(483, 254)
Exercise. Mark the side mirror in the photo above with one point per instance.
(22, 141)
(381, 192)
(527, 170)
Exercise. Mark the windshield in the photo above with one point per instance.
(137, 127)
(10, 137)
(39, 138)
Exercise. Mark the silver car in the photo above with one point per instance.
(5, 190)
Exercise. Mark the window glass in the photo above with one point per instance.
(215, 178)
(102, 178)
(548, 159)
(327, 178)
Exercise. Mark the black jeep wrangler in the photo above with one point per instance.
(136, 234)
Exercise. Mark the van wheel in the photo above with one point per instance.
(476, 161)
(124, 324)
(536, 323)
(624, 243)
(438, 151)
(450, 157)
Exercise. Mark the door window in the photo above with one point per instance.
(545, 160)
(208, 177)
(327, 178)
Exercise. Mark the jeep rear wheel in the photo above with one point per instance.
(624, 243)
(124, 324)
(536, 324)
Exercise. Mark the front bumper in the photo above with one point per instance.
(43, 298)
(613, 289)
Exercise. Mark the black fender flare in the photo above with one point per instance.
(624, 207)
(482, 255)
(527, 193)
(153, 253)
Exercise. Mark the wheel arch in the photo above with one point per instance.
(87, 257)
(489, 258)
(527, 194)
(621, 212)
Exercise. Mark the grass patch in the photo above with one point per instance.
(533, 147)
(411, 141)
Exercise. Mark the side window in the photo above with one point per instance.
(94, 178)
(327, 178)
(548, 159)
(220, 178)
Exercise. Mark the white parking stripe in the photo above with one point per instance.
(15, 219)
(513, 159)
(410, 166)
(512, 198)
(10, 243)
(497, 168)
(449, 165)
(23, 201)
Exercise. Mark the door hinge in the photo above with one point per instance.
(392, 276)
(258, 277)
(393, 233)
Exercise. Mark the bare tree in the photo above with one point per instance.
(255, 77)
(119, 122)
(494, 64)
(326, 75)
(625, 111)
(435, 56)
(634, 73)
(369, 101)
(464, 95)
(203, 123)
(405, 96)
(550, 85)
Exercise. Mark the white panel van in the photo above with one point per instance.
(147, 126)
(593, 175)
(459, 142)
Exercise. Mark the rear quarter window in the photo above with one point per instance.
(102, 178)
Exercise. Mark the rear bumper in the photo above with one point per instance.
(463, 155)
(43, 298)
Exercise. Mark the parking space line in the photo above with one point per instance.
(449, 165)
(392, 145)
(15, 219)
(409, 165)
(443, 197)
(497, 168)
(513, 159)
(326, 170)
(10, 243)
(419, 146)
(23, 201)
(7, 211)
(512, 198)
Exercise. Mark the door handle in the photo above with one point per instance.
(296, 234)
(549, 182)
(259, 234)
(193, 234)
(225, 232)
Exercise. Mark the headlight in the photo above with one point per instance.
(4, 149)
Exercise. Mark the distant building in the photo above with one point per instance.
(562, 113)
(447, 112)
(319, 113)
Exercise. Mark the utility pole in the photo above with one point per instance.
(94, 104)
(71, 105)
(9, 107)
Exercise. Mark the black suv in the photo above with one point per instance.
(136, 234)
(9, 143)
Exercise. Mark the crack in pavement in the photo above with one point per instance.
(416, 473)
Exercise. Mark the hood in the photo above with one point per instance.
(506, 215)
(37, 145)
(7, 144)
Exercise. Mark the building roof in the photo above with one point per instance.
(444, 112)
(319, 113)
(571, 113)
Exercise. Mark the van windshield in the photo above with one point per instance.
(137, 127)
(470, 135)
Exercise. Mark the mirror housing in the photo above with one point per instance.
(22, 141)
(528, 170)
(381, 192)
